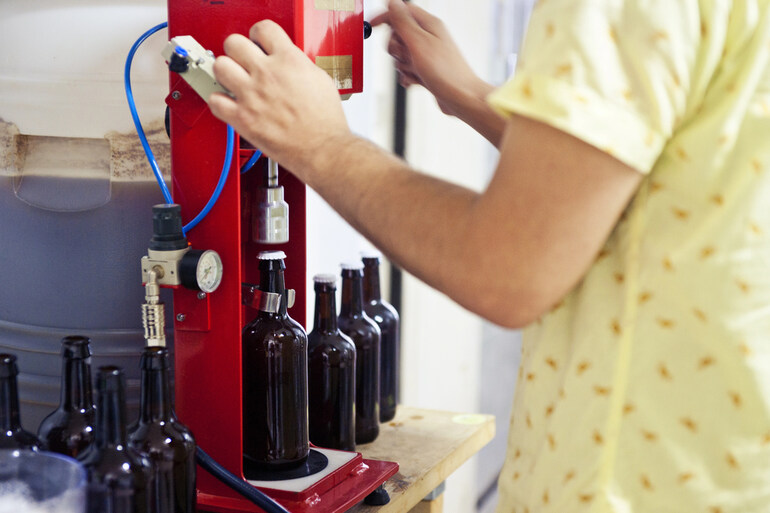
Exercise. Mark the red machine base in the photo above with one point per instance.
(335, 493)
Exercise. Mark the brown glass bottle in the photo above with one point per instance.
(275, 392)
(366, 336)
(12, 435)
(119, 477)
(69, 429)
(386, 317)
(331, 373)
(159, 436)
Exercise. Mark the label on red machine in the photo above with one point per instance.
(335, 5)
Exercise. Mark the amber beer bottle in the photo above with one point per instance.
(275, 392)
(386, 317)
(366, 335)
(119, 477)
(166, 442)
(69, 429)
(331, 373)
(12, 435)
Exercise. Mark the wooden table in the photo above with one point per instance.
(428, 446)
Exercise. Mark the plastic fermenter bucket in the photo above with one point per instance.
(76, 191)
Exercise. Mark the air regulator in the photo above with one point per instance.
(171, 262)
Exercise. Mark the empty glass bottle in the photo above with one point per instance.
(386, 317)
(12, 435)
(119, 477)
(331, 373)
(166, 442)
(366, 335)
(69, 429)
(275, 393)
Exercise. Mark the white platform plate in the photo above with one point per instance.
(336, 460)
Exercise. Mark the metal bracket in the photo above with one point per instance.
(165, 264)
(265, 301)
(291, 297)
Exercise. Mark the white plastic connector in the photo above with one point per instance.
(271, 214)
(200, 65)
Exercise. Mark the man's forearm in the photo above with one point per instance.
(415, 219)
(507, 254)
(438, 231)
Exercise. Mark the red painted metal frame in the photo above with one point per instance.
(208, 340)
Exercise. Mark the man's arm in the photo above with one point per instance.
(507, 254)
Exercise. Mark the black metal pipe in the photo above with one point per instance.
(399, 148)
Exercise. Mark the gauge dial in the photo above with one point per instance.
(208, 272)
(201, 270)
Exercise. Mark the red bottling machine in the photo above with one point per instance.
(207, 327)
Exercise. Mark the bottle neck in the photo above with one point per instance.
(76, 394)
(9, 405)
(155, 403)
(272, 280)
(110, 418)
(325, 319)
(372, 282)
(352, 294)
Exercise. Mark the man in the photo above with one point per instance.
(626, 226)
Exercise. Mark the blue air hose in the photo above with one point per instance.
(146, 145)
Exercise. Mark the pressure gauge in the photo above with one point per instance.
(201, 270)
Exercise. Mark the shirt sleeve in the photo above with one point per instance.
(615, 74)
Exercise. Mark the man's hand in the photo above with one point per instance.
(284, 104)
(425, 54)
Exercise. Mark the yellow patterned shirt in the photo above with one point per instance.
(647, 390)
